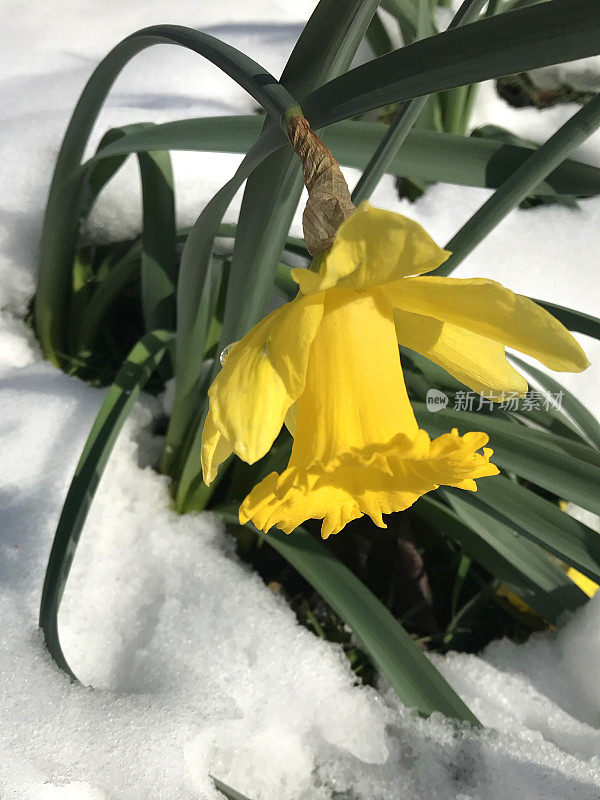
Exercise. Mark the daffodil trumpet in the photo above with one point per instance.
(327, 366)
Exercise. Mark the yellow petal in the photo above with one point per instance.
(375, 480)
(489, 309)
(372, 247)
(262, 376)
(355, 392)
(478, 362)
(215, 449)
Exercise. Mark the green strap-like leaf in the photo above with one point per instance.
(575, 409)
(502, 45)
(159, 271)
(60, 229)
(572, 319)
(130, 380)
(508, 557)
(522, 182)
(410, 110)
(414, 678)
(232, 794)
(542, 522)
(428, 155)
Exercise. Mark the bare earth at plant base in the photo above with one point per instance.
(198, 666)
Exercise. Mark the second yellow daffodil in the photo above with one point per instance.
(327, 364)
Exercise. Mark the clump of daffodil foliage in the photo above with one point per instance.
(311, 420)
(327, 365)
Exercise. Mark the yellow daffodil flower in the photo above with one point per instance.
(328, 365)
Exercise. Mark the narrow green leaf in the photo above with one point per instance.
(232, 794)
(101, 171)
(405, 12)
(428, 155)
(414, 678)
(378, 37)
(522, 182)
(542, 522)
(158, 259)
(518, 41)
(508, 557)
(60, 228)
(120, 399)
(574, 408)
(159, 272)
(410, 112)
(572, 319)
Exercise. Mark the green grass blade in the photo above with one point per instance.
(60, 229)
(521, 183)
(429, 155)
(509, 558)
(574, 408)
(409, 111)
(122, 395)
(414, 678)
(542, 522)
(122, 274)
(572, 319)
(193, 308)
(501, 45)
(230, 793)
(405, 12)
(568, 469)
(158, 259)
(159, 271)
(378, 37)
(101, 170)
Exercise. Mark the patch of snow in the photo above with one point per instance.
(583, 75)
(193, 665)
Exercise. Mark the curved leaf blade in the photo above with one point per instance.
(512, 560)
(542, 522)
(488, 48)
(572, 319)
(414, 678)
(574, 408)
(60, 228)
(120, 399)
(429, 155)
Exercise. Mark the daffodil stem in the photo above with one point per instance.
(521, 183)
(404, 121)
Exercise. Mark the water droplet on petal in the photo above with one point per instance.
(225, 352)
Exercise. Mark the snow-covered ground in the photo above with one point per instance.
(195, 665)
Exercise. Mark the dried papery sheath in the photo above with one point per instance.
(329, 202)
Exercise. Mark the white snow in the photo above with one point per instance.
(196, 666)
